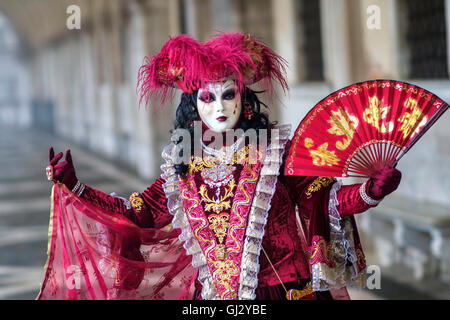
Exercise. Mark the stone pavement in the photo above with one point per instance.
(25, 203)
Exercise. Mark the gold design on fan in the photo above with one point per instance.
(219, 204)
(343, 124)
(410, 119)
(219, 224)
(375, 114)
(321, 156)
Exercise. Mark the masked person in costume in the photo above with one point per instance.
(218, 226)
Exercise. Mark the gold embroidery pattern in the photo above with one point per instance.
(361, 259)
(198, 164)
(221, 252)
(225, 269)
(375, 113)
(217, 205)
(321, 251)
(321, 156)
(191, 212)
(238, 207)
(219, 224)
(318, 184)
(136, 201)
(343, 124)
(409, 119)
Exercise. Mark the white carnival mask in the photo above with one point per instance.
(219, 106)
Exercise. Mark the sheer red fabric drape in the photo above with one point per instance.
(95, 254)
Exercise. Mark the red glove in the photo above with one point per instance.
(383, 182)
(64, 171)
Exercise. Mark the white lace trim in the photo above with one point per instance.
(343, 255)
(257, 218)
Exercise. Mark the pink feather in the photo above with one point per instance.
(190, 65)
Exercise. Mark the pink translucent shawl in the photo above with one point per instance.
(94, 254)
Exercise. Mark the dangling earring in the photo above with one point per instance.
(248, 111)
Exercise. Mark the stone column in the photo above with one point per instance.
(285, 35)
(447, 15)
(197, 16)
(97, 53)
(336, 42)
(226, 15)
(90, 87)
(374, 45)
(117, 92)
(106, 104)
(143, 134)
(77, 104)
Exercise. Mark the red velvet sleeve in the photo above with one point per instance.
(294, 184)
(147, 209)
(350, 200)
(156, 202)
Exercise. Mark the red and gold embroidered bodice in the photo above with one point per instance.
(282, 241)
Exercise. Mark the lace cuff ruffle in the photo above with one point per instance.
(366, 198)
(341, 268)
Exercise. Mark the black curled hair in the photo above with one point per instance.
(187, 113)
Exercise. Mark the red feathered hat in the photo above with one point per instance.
(190, 65)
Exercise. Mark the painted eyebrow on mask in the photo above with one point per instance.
(227, 93)
(207, 96)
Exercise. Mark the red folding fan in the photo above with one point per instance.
(361, 128)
